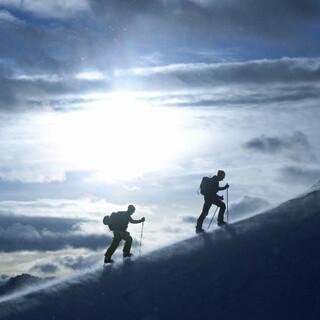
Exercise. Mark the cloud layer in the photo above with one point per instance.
(307, 175)
(40, 233)
(242, 83)
(49, 9)
(38, 70)
(295, 146)
(248, 205)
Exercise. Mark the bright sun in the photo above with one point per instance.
(120, 137)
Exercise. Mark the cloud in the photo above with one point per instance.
(58, 9)
(316, 186)
(237, 96)
(28, 238)
(42, 225)
(248, 205)
(242, 83)
(278, 144)
(26, 49)
(53, 224)
(3, 278)
(52, 213)
(7, 17)
(18, 233)
(189, 219)
(90, 75)
(192, 18)
(36, 67)
(297, 146)
(77, 263)
(204, 75)
(248, 83)
(49, 92)
(45, 268)
(14, 262)
(35, 54)
(299, 175)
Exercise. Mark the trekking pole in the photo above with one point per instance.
(141, 238)
(212, 217)
(228, 205)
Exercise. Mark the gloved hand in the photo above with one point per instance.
(227, 186)
(143, 219)
(221, 197)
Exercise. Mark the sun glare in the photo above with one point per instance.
(120, 137)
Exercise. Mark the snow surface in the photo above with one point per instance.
(264, 267)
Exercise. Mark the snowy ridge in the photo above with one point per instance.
(264, 267)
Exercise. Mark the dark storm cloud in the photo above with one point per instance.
(45, 268)
(23, 233)
(295, 146)
(299, 175)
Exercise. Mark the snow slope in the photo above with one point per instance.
(265, 267)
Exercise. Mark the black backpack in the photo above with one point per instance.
(204, 186)
(117, 221)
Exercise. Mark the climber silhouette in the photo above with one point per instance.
(118, 223)
(209, 188)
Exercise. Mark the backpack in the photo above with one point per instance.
(204, 186)
(106, 220)
(117, 221)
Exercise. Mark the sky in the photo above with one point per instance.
(107, 103)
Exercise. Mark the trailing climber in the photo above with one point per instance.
(209, 188)
(118, 223)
